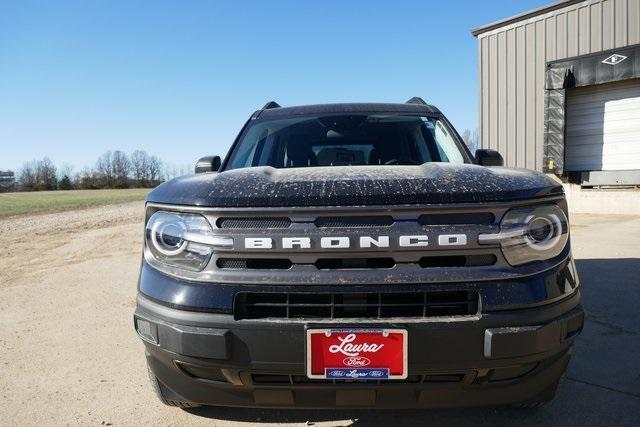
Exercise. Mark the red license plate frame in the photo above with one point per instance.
(356, 353)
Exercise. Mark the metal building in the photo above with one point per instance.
(7, 180)
(560, 90)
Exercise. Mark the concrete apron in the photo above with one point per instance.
(602, 201)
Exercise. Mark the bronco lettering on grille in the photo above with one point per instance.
(342, 242)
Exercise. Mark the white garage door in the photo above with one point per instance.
(603, 127)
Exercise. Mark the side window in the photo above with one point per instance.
(244, 156)
(249, 156)
(245, 153)
(449, 151)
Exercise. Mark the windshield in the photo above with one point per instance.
(346, 140)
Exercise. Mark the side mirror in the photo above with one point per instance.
(485, 157)
(208, 164)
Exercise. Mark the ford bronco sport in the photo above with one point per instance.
(356, 255)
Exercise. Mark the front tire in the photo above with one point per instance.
(165, 395)
(545, 397)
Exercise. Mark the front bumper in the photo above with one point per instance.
(489, 359)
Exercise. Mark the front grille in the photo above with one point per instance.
(471, 218)
(368, 305)
(362, 244)
(254, 223)
(351, 263)
(254, 263)
(457, 261)
(354, 221)
(477, 260)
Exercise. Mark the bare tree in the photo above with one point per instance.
(38, 175)
(470, 139)
(112, 169)
(86, 179)
(466, 136)
(139, 166)
(104, 170)
(120, 167)
(173, 170)
(27, 176)
(46, 175)
(475, 138)
(170, 171)
(64, 177)
(145, 169)
(66, 169)
(154, 170)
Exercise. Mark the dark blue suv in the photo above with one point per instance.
(357, 255)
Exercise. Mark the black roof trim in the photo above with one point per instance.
(416, 100)
(271, 104)
(522, 16)
(350, 108)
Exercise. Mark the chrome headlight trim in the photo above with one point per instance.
(177, 241)
(516, 239)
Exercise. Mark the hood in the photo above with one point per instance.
(355, 185)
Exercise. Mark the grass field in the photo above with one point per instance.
(42, 201)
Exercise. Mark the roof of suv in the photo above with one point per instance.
(347, 108)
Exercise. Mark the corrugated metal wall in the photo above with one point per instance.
(512, 64)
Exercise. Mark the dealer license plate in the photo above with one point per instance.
(357, 354)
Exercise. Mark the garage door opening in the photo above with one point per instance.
(602, 134)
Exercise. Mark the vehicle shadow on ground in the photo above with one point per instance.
(363, 417)
(601, 383)
(344, 417)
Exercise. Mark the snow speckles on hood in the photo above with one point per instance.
(354, 185)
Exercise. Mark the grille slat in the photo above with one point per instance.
(439, 261)
(465, 218)
(457, 261)
(249, 305)
(354, 263)
(354, 221)
(254, 263)
(254, 223)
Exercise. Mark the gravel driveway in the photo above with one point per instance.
(68, 352)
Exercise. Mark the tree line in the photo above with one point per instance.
(117, 169)
(113, 169)
(471, 139)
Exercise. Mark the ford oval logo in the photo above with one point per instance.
(356, 361)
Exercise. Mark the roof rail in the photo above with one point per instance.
(271, 104)
(416, 100)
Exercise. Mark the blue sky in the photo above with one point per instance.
(179, 78)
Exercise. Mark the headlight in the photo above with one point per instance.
(530, 234)
(181, 240)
